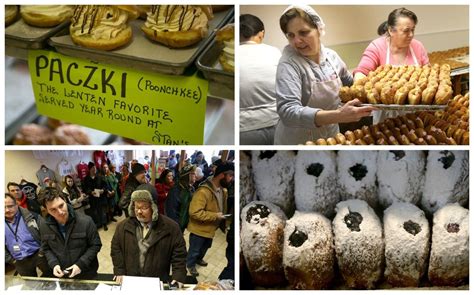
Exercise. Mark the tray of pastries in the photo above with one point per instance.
(407, 87)
(217, 62)
(445, 127)
(457, 58)
(30, 26)
(167, 40)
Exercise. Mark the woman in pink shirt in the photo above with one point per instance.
(395, 46)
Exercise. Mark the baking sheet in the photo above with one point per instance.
(22, 35)
(409, 107)
(221, 83)
(142, 53)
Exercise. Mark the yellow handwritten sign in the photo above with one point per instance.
(150, 107)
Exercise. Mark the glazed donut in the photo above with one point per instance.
(414, 96)
(358, 134)
(226, 37)
(321, 141)
(430, 140)
(428, 95)
(46, 15)
(101, 27)
(176, 26)
(392, 140)
(70, 135)
(350, 136)
(331, 141)
(345, 94)
(420, 141)
(340, 138)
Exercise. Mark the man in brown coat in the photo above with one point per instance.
(205, 214)
(148, 244)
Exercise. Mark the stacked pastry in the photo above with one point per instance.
(57, 133)
(308, 253)
(46, 15)
(261, 240)
(177, 26)
(448, 56)
(315, 190)
(449, 259)
(402, 85)
(359, 244)
(273, 173)
(407, 237)
(400, 176)
(103, 27)
(421, 128)
(446, 180)
(225, 36)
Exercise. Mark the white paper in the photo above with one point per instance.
(132, 284)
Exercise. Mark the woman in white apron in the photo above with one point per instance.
(396, 47)
(309, 77)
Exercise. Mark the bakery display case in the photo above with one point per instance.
(354, 219)
(139, 55)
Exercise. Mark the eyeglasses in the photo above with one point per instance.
(146, 208)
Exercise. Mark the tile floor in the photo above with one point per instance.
(215, 256)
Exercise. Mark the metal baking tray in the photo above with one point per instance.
(21, 35)
(142, 53)
(407, 107)
(221, 83)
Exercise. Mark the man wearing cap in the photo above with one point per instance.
(22, 239)
(137, 177)
(69, 239)
(205, 214)
(179, 197)
(147, 243)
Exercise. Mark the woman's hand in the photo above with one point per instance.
(353, 112)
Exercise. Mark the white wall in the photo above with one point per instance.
(357, 23)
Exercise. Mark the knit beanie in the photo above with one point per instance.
(224, 167)
(137, 169)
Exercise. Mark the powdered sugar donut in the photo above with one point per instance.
(273, 173)
(449, 260)
(308, 252)
(358, 243)
(447, 179)
(407, 237)
(356, 172)
(247, 186)
(400, 176)
(315, 175)
(261, 241)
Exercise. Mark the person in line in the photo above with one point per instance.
(69, 239)
(148, 244)
(95, 188)
(163, 186)
(258, 67)
(73, 194)
(309, 77)
(206, 215)
(137, 177)
(22, 200)
(23, 240)
(179, 197)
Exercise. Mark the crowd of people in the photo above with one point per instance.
(293, 97)
(62, 240)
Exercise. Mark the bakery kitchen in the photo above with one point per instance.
(111, 82)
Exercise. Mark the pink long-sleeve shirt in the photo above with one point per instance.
(375, 55)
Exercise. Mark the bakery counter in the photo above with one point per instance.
(354, 219)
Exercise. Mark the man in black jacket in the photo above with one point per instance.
(22, 239)
(148, 244)
(70, 240)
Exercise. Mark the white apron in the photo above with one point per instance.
(325, 96)
(380, 116)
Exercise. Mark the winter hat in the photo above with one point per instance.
(186, 170)
(150, 188)
(224, 167)
(214, 159)
(90, 165)
(142, 196)
(137, 169)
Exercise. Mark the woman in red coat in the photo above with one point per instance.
(163, 186)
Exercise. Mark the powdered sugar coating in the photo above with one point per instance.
(261, 242)
(309, 266)
(274, 178)
(354, 185)
(447, 179)
(247, 186)
(449, 259)
(315, 179)
(407, 237)
(400, 176)
(359, 253)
